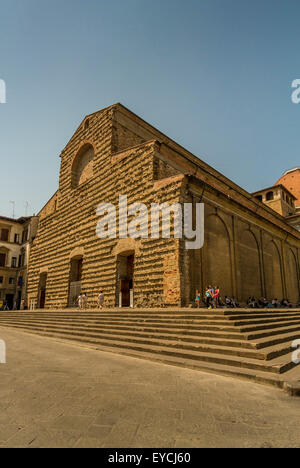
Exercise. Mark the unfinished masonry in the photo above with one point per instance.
(249, 249)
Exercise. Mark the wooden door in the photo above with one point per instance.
(125, 293)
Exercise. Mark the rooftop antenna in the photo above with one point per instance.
(13, 208)
(26, 209)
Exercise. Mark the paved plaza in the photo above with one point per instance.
(57, 394)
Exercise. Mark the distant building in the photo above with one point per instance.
(279, 199)
(284, 197)
(291, 180)
(16, 236)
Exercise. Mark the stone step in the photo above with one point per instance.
(225, 331)
(254, 344)
(214, 338)
(163, 324)
(226, 347)
(165, 334)
(289, 337)
(147, 317)
(264, 311)
(267, 327)
(190, 363)
(269, 333)
(162, 321)
(226, 319)
(132, 318)
(265, 321)
(284, 341)
(185, 313)
(261, 316)
(185, 331)
(225, 356)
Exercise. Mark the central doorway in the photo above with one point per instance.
(126, 275)
(75, 281)
(42, 291)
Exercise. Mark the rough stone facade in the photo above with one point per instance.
(249, 249)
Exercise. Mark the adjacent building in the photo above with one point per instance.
(284, 197)
(291, 180)
(250, 248)
(16, 236)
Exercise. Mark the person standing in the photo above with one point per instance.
(198, 299)
(217, 297)
(212, 293)
(101, 300)
(84, 301)
(80, 301)
(208, 297)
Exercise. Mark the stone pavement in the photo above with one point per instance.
(56, 394)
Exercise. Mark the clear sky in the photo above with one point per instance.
(214, 75)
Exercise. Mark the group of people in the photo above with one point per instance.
(254, 303)
(212, 299)
(22, 306)
(82, 301)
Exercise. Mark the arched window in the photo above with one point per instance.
(82, 168)
(4, 256)
(259, 198)
(270, 196)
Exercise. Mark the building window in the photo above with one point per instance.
(270, 196)
(1, 279)
(4, 235)
(11, 280)
(14, 262)
(22, 260)
(17, 238)
(259, 198)
(2, 260)
(25, 236)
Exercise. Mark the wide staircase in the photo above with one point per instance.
(254, 344)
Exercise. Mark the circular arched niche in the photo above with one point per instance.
(82, 168)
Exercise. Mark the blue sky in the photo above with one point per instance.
(214, 75)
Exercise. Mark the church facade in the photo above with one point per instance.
(249, 249)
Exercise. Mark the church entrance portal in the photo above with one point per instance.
(125, 278)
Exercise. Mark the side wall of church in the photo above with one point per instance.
(243, 254)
